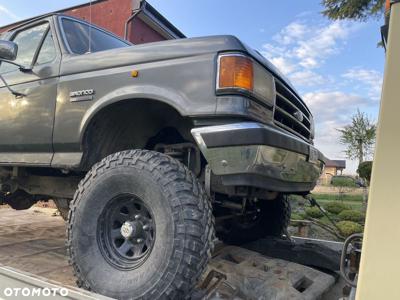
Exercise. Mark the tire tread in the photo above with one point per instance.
(193, 218)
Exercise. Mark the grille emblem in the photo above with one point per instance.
(299, 116)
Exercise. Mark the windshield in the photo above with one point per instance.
(78, 34)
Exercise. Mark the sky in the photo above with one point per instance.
(335, 66)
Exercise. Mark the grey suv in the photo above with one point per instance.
(149, 150)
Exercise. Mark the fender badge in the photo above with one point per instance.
(83, 95)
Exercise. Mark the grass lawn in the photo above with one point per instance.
(355, 202)
(356, 205)
(335, 197)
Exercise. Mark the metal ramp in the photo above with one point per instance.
(245, 274)
(19, 285)
(33, 241)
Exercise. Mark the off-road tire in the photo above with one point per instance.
(63, 207)
(184, 227)
(273, 220)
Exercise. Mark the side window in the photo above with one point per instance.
(28, 42)
(77, 36)
(47, 51)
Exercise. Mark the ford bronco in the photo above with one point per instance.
(149, 150)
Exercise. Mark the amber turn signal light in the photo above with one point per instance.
(236, 71)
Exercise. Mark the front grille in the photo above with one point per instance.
(286, 106)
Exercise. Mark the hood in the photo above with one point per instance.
(165, 50)
(151, 52)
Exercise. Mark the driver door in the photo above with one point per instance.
(26, 123)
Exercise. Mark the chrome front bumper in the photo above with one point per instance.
(254, 154)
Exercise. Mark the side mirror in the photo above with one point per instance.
(8, 50)
(8, 53)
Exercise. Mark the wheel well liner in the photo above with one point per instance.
(132, 124)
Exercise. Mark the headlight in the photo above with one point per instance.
(238, 73)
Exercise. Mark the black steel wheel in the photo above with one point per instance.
(140, 227)
(126, 231)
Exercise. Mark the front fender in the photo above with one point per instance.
(132, 93)
(185, 84)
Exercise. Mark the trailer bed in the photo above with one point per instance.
(32, 243)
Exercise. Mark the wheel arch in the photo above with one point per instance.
(123, 123)
(135, 93)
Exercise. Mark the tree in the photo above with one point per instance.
(343, 185)
(358, 10)
(364, 170)
(359, 137)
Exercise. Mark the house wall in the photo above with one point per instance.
(112, 15)
(140, 33)
(327, 175)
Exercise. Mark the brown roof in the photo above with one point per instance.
(340, 164)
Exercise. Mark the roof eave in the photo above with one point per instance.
(169, 30)
(151, 15)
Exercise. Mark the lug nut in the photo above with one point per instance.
(137, 217)
(139, 241)
(146, 227)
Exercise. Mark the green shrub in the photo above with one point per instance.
(343, 181)
(296, 216)
(351, 215)
(314, 212)
(336, 207)
(347, 228)
(364, 170)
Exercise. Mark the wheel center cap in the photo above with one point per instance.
(127, 230)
